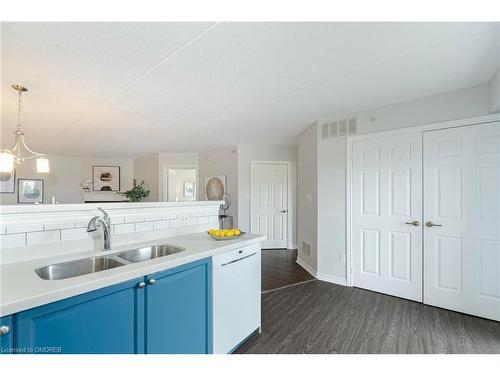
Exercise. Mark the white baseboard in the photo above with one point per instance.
(331, 279)
(306, 266)
(294, 246)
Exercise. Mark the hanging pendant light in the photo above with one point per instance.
(21, 152)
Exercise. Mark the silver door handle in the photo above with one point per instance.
(237, 260)
(431, 224)
(152, 281)
(415, 223)
(141, 285)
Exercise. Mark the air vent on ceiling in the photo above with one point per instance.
(339, 128)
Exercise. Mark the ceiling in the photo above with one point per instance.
(128, 89)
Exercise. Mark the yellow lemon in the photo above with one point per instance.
(212, 232)
(236, 232)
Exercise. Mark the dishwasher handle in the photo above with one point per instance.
(237, 260)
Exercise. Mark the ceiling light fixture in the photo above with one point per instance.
(21, 152)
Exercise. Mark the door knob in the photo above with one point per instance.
(415, 223)
(152, 281)
(141, 284)
(4, 330)
(431, 224)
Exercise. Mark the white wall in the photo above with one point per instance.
(146, 169)
(307, 203)
(495, 92)
(324, 219)
(468, 102)
(65, 178)
(247, 154)
(331, 206)
(221, 161)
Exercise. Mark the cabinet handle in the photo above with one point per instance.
(415, 223)
(284, 211)
(237, 260)
(152, 281)
(4, 330)
(142, 284)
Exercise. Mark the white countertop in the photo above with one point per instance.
(21, 288)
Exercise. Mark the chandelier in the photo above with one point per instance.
(21, 152)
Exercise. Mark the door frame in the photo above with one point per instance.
(164, 176)
(290, 212)
(382, 134)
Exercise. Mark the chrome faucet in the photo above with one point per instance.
(105, 223)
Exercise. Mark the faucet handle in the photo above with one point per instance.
(104, 214)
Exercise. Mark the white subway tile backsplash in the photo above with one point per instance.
(35, 238)
(134, 219)
(203, 220)
(52, 226)
(12, 240)
(74, 234)
(25, 229)
(117, 219)
(160, 225)
(180, 222)
(144, 227)
(169, 216)
(123, 228)
(20, 228)
(152, 217)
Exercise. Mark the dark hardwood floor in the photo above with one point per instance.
(279, 269)
(319, 317)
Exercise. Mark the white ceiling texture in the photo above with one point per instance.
(128, 89)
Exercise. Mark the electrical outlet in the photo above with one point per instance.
(342, 257)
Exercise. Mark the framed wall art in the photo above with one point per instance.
(106, 178)
(8, 182)
(29, 190)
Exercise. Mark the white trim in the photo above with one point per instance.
(433, 126)
(400, 131)
(289, 197)
(294, 246)
(332, 279)
(306, 266)
(164, 193)
(41, 208)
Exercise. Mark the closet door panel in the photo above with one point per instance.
(462, 209)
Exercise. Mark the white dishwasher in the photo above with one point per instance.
(236, 297)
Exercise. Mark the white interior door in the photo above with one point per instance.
(462, 200)
(269, 203)
(386, 230)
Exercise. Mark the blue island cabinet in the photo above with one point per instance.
(179, 310)
(6, 335)
(107, 320)
(165, 312)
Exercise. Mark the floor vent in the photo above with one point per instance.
(340, 128)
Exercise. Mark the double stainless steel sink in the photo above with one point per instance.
(85, 266)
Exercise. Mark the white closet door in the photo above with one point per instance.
(269, 203)
(386, 200)
(462, 198)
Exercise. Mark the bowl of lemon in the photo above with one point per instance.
(225, 234)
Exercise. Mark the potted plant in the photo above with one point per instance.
(137, 193)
